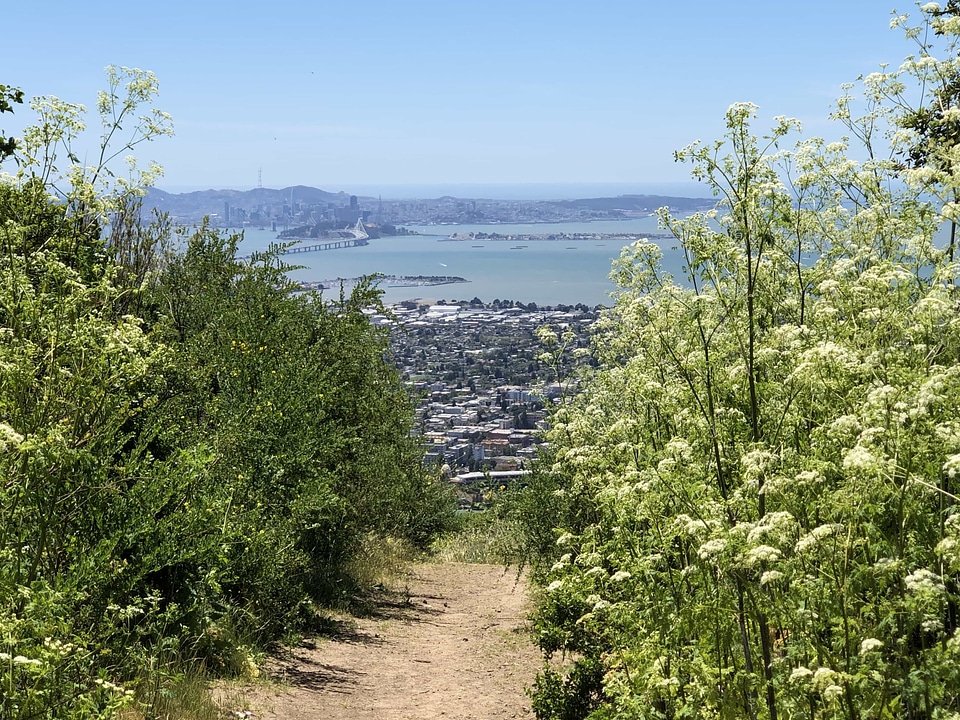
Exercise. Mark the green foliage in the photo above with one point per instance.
(488, 536)
(8, 95)
(192, 453)
(762, 473)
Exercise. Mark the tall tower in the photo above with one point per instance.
(260, 178)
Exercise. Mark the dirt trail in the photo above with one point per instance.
(450, 641)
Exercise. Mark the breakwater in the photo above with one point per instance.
(621, 238)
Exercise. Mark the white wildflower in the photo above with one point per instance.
(21, 660)
(762, 553)
(565, 539)
(689, 526)
(859, 459)
(832, 692)
(801, 673)
(952, 466)
(812, 538)
(845, 425)
(679, 447)
(620, 576)
(756, 462)
(666, 466)
(809, 477)
(778, 524)
(923, 581)
(555, 585)
(869, 645)
(10, 439)
(712, 548)
(589, 559)
(770, 576)
(824, 676)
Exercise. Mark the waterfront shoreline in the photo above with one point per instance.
(386, 281)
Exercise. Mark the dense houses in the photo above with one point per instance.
(483, 382)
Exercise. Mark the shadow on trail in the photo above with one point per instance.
(297, 665)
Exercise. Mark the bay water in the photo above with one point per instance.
(547, 272)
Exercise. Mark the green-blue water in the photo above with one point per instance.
(544, 272)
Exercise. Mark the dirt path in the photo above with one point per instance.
(450, 641)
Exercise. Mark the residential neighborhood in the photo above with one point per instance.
(484, 381)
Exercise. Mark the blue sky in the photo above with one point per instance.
(361, 94)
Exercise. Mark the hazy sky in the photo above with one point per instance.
(362, 93)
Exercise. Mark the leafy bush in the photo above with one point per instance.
(763, 469)
(192, 452)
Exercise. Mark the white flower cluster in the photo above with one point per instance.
(18, 659)
(952, 466)
(813, 538)
(112, 687)
(779, 525)
(712, 549)
(679, 447)
(826, 681)
(823, 357)
(761, 553)
(869, 645)
(10, 439)
(845, 425)
(806, 478)
(690, 526)
(860, 459)
(924, 582)
(58, 646)
(755, 463)
(771, 576)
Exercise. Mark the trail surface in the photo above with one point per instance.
(449, 641)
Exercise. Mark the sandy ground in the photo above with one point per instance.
(448, 640)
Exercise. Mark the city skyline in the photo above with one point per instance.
(374, 94)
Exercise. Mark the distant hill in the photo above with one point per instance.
(206, 202)
(638, 203)
(302, 205)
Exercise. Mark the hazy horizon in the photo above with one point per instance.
(429, 94)
(490, 191)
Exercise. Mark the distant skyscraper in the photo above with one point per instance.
(353, 202)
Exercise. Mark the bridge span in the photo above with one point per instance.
(359, 238)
